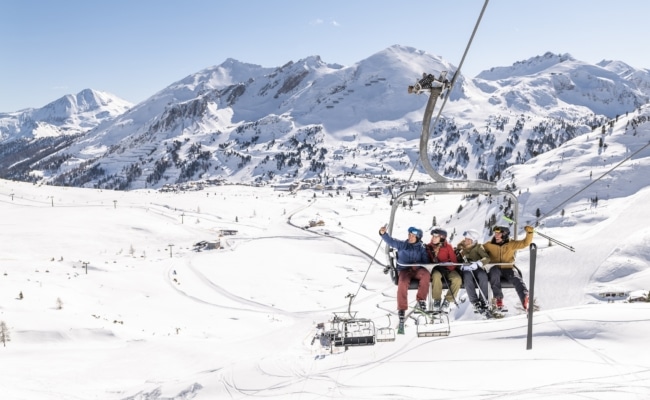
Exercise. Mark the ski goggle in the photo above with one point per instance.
(497, 229)
(413, 231)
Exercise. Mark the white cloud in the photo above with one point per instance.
(320, 21)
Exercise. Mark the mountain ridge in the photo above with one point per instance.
(305, 119)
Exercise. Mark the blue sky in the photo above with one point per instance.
(135, 48)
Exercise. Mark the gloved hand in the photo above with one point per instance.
(471, 266)
(468, 267)
(529, 229)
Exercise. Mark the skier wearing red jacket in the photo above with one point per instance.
(440, 251)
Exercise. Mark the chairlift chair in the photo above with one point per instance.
(345, 329)
(386, 333)
(441, 185)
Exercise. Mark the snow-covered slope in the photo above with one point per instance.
(107, 285)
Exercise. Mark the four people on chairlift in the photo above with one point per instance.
(476, 271)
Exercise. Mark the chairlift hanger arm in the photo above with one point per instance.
(436, 87)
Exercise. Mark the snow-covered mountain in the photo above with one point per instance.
(108, 283)
(560, 86)
(69, 115)
(243, 122)
(33, 135)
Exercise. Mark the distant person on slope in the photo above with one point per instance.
(409, 251)
(440, 251)
(502, 250)
(473, 253)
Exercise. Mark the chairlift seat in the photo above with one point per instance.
(358, 341)
(351, 331)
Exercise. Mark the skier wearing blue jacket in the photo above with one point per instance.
(409, 251)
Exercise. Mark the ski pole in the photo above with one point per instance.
(483, 295)
(444, 278)
(372, 259)
(566, 246)
(485, 298)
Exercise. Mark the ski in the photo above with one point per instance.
(494, 314)
(488, 313)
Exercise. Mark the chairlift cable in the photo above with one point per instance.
(372, 260)
(462, 60)
(454, 78)
(546, 215)
(451, 86)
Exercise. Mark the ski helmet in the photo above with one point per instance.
(441, 232)
(505, 231)
(471, 234)
(417, 232)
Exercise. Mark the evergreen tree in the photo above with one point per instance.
(4, 334)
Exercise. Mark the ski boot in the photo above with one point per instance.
(445, 307)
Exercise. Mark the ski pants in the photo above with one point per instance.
(512, 276)
(404, 281)
(470, 278)
(454, 281)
